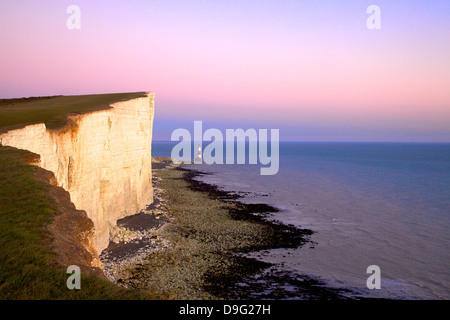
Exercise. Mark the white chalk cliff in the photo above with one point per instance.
(103, 159)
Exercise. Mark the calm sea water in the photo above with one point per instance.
(384, 204)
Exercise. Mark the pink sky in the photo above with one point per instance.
(297, 63)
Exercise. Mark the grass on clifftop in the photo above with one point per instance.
(53, 111)
(27, 268)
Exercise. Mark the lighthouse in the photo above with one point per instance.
(199, 154)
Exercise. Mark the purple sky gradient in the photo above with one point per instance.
(310, 68)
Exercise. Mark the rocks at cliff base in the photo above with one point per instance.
(135, 237)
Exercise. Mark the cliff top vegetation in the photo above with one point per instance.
(53, 110)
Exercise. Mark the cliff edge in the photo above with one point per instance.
(102, 159)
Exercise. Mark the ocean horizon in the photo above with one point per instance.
(374, 203)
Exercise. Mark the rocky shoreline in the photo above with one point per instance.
(191, 244)
(136, 237)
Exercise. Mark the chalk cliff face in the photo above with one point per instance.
(103, 159)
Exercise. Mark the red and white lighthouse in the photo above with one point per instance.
(199, 155)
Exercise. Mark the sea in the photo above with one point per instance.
(382, 204)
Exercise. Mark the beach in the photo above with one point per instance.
(191, 243)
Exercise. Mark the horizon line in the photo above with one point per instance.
(325, 141)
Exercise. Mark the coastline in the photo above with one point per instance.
(191, 244)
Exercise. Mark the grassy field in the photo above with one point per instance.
(27, 266)
(53, 110)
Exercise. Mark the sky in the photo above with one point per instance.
(312, 69)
